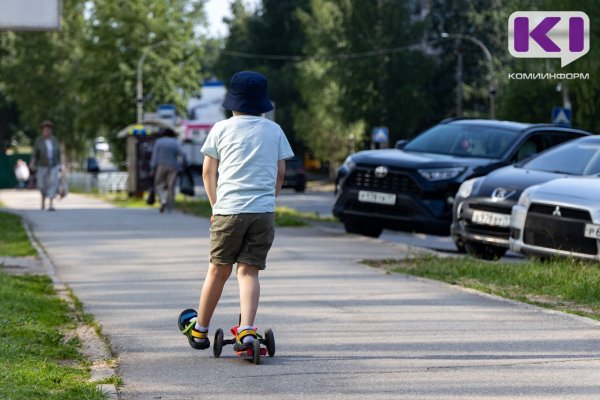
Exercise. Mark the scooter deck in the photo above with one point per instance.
(249, 352)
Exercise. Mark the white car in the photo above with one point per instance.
(558, 218)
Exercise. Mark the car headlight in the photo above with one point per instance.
(348, 163)
(346, 167)
(525, 198)
(466, 188)
(440, 174)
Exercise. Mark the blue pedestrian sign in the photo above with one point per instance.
(166, 110)
(381, 134)
(561, 116)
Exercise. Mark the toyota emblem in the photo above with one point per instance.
(381, 171)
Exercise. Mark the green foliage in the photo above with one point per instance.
(14, 241)
(342, 98)
(84, 77)
(36, 360)
(12, 131)
(273, 28)
(585, 94)
(529, 100)
(41, 72)
(328, 94)
(485, 20)
(119, 33)
(532, 101)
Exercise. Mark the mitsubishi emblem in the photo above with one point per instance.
(557, 212)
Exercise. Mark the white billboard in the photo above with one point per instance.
(30, 15)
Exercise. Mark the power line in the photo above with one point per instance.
(332, 57)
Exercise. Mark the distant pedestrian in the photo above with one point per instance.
(248, 151)
(45, 160)
(167, 159)
(21, 173)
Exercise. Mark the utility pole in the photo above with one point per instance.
(381, 71)
(140, 83)
(459, 79)
(490, 61)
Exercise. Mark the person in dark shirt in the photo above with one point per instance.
(166, 160)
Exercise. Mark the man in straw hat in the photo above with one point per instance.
(46, 161)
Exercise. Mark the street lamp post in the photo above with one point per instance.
(140, 83)
(490, 60)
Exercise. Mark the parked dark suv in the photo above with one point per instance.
(295, 174)
(412, 188)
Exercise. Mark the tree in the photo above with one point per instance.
(346, 92)
(585, 94)
(83, 77)
(119, 32)
(11, 128)
(532, 101)
(273, 28)
(486, 21)
(41, 72)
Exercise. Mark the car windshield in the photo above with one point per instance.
(464, 141)
(574, 158)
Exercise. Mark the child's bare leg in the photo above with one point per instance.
(212, 289)
(247, 276)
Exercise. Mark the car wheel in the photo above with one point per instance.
(484, 251)
(372, 231)
(362, 228)
(352, 227)
(460, 246)
(300, 188)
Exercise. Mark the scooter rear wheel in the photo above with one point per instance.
(218, 345)
(270, 342)
(256, 352)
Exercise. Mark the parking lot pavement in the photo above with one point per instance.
(343, 330)
(322, 203)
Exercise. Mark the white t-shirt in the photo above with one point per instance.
(248, 149)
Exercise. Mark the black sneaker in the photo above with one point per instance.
(188, 328)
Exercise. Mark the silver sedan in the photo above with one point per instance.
(558, 218)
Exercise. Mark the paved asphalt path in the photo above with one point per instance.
(343, 330)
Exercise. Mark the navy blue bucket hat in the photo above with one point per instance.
(248, 94)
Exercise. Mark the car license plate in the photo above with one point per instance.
(488, 218)
(376, 197)
(592, 231)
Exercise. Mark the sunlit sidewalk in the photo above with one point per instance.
(31, 200)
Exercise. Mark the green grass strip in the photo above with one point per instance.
(36, 361)
(284, 216)
(14, 241)
(568, 285)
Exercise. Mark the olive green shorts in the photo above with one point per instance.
(241, 238)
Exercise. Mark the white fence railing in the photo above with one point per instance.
(104, 182)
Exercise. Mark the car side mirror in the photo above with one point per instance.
(526, 157)
(400, 144)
